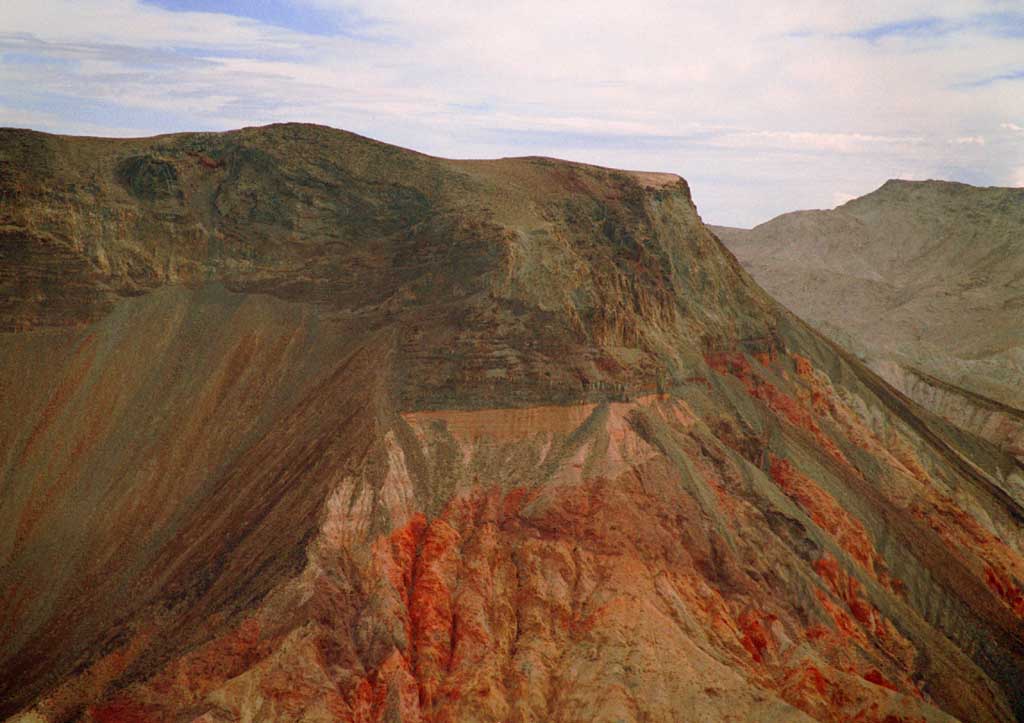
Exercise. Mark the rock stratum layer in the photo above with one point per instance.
(925, 280)
(298, 426)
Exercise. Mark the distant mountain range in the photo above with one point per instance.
(924, 280)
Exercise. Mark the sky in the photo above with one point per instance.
(764, 107)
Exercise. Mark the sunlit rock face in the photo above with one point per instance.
(925, 281)
(302, 427)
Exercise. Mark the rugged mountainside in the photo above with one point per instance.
(925, 280)
(298, 426)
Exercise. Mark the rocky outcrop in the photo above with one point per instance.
(395, 438)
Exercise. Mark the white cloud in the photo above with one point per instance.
(818, 142)
(764, 107)
(55, 123)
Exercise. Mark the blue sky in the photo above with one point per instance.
(763, 107)
(298, 16)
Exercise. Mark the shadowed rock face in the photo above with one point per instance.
(300, 426)
(925, 280)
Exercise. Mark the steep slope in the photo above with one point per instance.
(925, 280)
(300, 426)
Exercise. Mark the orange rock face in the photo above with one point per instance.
(389, 438)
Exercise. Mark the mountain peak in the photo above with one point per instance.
(300, 423)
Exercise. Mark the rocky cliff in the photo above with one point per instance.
(298, 426)
(925, 280)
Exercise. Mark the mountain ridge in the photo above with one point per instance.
(300, 426)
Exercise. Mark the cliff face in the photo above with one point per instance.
(929, 275)
(299, 426)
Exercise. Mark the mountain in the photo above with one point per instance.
(925, 280)
(298, 426)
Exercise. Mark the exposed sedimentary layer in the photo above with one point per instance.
(318, 429)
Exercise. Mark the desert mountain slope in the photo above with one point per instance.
(298, 426)
(925, 280)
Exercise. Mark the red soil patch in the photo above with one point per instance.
(1010, 593)
(755, 637)
(827, 514)
(122, 710)
(737, 365)
(874, 676)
